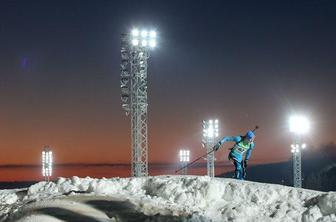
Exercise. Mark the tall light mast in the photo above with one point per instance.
(299, 125)
(135, 48)
(184, 160)
(47, 162)
(210, 136)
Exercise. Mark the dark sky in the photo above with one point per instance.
(243, 62)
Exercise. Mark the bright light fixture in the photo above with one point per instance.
(144, 33)
(144, 43)
(152, 43)
(135, 32)
(47, 161)
(210, 128)
(184, 155)
(211, 132)
(296, 148)
(152, 34)
(299, 124)
(135, 42)
(143, 38)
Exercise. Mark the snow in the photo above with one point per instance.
(165, 198)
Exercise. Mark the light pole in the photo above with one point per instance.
(299, 125)
(210, 134)
(135, 47)
(47, 161)
(184, 160)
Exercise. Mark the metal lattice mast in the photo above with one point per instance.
(299, 125)
(297, 169)
(134, 55)
(210, 158)
(297, 148)
(139, 112)
(297, 179)
(47, 162)
(184, 160)
(210, 134)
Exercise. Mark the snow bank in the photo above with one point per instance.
(193, 198)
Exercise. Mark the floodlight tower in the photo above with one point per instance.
(210, 136)
(135, 47)
(184, 160)
(299, 125)
(47, 161)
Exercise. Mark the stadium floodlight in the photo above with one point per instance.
(184, 155)
(144, 33)
(47, 162)
(184, 159)
(210, 129)
(152, 43)
(135, 32)
(299, 124)
(144, 43)
(135, 42)
(152, 34)
(135, 51)
(144, 38)
(296, 148)
(210, 134)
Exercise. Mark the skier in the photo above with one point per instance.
(244, 144)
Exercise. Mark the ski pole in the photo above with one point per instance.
(194, 161)
(255, 128)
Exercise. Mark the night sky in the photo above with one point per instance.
(243, 62)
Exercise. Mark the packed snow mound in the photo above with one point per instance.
(165, 198)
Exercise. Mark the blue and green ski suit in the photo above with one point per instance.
(237, 152)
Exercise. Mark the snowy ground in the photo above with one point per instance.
(164, 198)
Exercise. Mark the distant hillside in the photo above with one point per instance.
(16, 185)
(324, 180)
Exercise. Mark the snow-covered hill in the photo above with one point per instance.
(164, 198)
